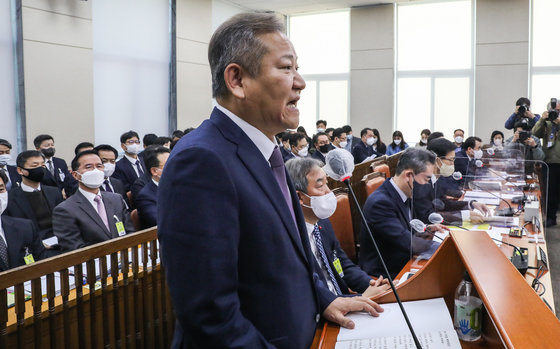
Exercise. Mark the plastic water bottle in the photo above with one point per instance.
(468, 311)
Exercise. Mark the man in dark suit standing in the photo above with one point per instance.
(318, 203)
(90, 215)
(108, 156)
(130, 166)
(363, 150)
(18, 237)
(31, 200)
(10, 171)
(57, 174)
(146, 201)
(247, 280)
(388, 213)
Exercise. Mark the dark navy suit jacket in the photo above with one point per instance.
(425, 194)
(146, 203)
(19, 206)
(126, 173)
(318, 155)
(62, 177)
(15, 178)
(463, 164)
(361, 151)
(239, 270)
(388, 219)
(21, 235)
(352, 277)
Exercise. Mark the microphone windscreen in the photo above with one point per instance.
(490, 151)
(417, 225)
(457, 175)
(339, 164)
(435, 218)
(479, 163)
(438, 204)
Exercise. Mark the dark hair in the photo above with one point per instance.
(107, 147)
(188, 130)
(376, 134)
(324, 122)
(470, 142)
(415, 159)
(364, 131)
(435, 135)
(316, 137)
(151, 156)
(426, 132)
(494, 134)
(172, 144)
(398, 134)
(338, 132)
(128, 135)
(347, 128)
(40, 139)
(459, 129)
(6, 143)
(301, 130)
(177, 133)
(162, 140)
(148, 139)
(4, 178)
(284, 136)
(82, 145)
(76, 160)
(441, 146)
(295, 138)
(237, 40)
(523, 100)
(25, 155)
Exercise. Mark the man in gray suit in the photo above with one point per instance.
(90, 215)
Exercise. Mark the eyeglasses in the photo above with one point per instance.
(132, 142)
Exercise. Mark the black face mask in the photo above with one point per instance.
(35, 174)
(48, 152)
(325, 148)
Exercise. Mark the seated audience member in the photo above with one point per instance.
(321, 126)
(298, 145)
(323, 146)
(439, 184)
(526, 142)
(397, 145)
(285, 149)
(378, 145)
(18, 237)
(350, 140)
(163, 141)
(339, 138)
(10, 171)
(83, 147)
(522, 111)
(318, 203)
(31, 200)
(435, 135)
(497, 140)
(465, 159)
(146, 201)
(130, 167)
(423, 143)
(176, 135)
(57, 171)
(458, 137)
(363, 150)
(142, 180)
(108, 156)
(147, 140)
(90, 215)
(388, 214)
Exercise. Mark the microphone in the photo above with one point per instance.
(515, 199)
(339, 164)
(457, 175)
(490, 151)
(418, 225)
(507, 212)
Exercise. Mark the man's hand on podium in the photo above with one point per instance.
(341, 306)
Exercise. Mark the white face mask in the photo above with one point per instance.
(93, 179)
(498, 141)
(371, 140)
(4, 158)
(478, 154)
(109, 169)
(458, 139)
(323, 206)
(3, 201)
(424, 140)
(133, 148)
(320, 130)
(397, 141)
(446, 170)
(343, 144)
(303, 152)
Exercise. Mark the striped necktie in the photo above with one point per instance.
(324, 260)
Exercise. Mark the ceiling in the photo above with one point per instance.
(290, 7)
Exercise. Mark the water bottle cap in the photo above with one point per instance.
(467, 277)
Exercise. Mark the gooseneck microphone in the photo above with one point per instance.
(339, 166)
(523, 198)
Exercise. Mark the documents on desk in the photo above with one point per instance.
(429, 318)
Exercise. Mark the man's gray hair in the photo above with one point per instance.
(299, 168)
(415, 159)
(237, 41)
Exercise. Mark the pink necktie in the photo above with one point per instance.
(101, 210)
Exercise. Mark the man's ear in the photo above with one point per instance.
(300, 197)
(19, 170)
(76, 175)
(233, 77)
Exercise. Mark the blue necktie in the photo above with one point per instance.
(319, 243)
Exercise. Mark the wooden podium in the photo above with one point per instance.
(514, 316)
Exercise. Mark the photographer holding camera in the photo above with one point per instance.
(522, 113)
(523, 140)
(547, 128)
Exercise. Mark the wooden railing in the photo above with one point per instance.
(54, 307)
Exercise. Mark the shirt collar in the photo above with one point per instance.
(88, 195)
(130, 158)
(434, 179)
(261, 141)
(155, 182)
(401, 193)
(29, 189)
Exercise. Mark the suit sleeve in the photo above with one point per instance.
(66, 229)
(123, 209)
(37, 248)
(383, 219)
(354, 276)
(359, 154)
(147, 209)
(199, 231)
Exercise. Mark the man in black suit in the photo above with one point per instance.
(363, 150)
(465, 159)
(31, 200)
(10, 171)
(90, 215)
(19, 242)
(318, 203)
(146, 201)
(57, 174)
(108, 156)
(130, 167)
(322, 145)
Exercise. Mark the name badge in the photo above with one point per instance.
(549, 144)
(28, 258)
(120, 228)
(338, 267)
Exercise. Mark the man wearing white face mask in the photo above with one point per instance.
(90, 215)
(318, 203)
(339, 138)
(363, 151)
(10, 171)
(470, 152)
(299, 146)
(108, 156)
(458, 137)
(130, 167)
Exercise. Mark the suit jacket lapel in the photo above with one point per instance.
(85, 205)
(403, 210)
(21, 200)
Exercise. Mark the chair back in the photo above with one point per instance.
(341, 221)
(373, 181)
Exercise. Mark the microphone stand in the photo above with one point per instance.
(416, 341)
(509, 212)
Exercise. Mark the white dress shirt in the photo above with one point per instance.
(29, 189)
(133, 162)
(90, 197)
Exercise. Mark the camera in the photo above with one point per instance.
(522, 109)
(552, 112)
(523, 136)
